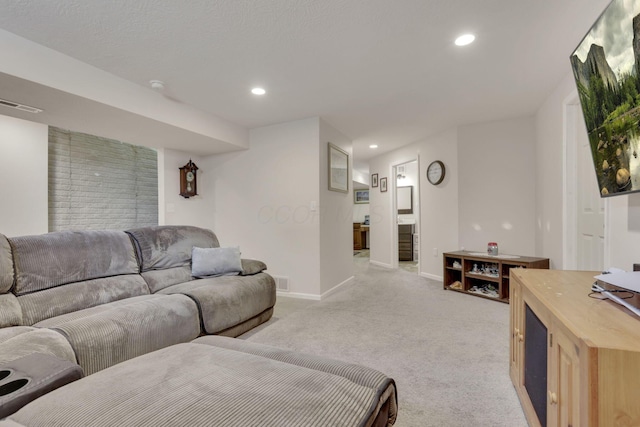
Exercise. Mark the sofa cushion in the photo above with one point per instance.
(54, 259)
(169, 246)
(61, 300)
(227, 301)
(160, 279)
(215, 262)
(20, 341)
(10, 311)
(111, 333)
(6, 265)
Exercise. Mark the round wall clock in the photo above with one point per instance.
(188, 187)
(435, 172)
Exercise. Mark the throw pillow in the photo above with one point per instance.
(215, 261)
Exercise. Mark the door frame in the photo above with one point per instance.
(394, 212)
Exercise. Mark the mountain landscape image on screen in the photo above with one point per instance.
(606, 68)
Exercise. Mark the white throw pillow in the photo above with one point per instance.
(215, 261)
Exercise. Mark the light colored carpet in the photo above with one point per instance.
(448, 352)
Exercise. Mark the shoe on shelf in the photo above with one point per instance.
(456, 285)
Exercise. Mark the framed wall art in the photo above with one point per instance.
(360, 196)
(338, 169)
(383, 185)
(374, 180)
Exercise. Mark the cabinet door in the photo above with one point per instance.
(517, 328)
(563, 398)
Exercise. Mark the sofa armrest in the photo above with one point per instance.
(252, 266)
(27, 378)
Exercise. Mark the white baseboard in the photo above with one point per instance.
(381, 264)
(298, 295)
(336, 287)
(315, 297)
(431, 276)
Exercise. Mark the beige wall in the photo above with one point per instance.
(497, 186)
(23, 177)
(622, 217)
(549, 173)
(262, 201)
(336, 217)
(175, 209)
(438, 222)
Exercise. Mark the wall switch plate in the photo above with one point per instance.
(435, 252)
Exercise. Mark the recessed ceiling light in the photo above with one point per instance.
(465, 39)
(157, 85)
(373, 146)
(258, 91)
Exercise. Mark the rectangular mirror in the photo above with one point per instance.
(405, 200)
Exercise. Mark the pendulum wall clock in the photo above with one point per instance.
(188, 186)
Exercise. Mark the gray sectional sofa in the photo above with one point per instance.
(101, 297)
(155, 342)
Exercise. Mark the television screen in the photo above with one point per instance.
(605, 65)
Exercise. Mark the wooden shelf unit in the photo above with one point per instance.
(591, 347)
(405, 242)
(469, 279)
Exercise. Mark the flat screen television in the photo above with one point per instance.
(606, 68)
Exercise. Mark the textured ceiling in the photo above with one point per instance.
(380, 71)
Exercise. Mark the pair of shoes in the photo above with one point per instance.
(486, 290)
(456, 264)
(490, 291)
(456, 285)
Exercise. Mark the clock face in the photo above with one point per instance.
(435, 172)
(190, 176)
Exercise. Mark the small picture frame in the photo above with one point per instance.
(383, 185)
(360, 196)
(374, 180)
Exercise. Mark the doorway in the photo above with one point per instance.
(407, 205)
(584, 219)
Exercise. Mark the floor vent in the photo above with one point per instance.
(282, 283)
(20, 107)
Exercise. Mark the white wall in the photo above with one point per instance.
(175, 209)
(360, 210)
(438, 222)
(438, 204)
(622, 219)
(549, 173)
(497, 186)
(624, 231)
(262, 199)
(336, 217)
(23, 177)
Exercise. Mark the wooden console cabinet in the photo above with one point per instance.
(458, 267)
(592, 350)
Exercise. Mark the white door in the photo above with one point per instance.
(590, 206)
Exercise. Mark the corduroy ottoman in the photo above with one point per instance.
(219, 381)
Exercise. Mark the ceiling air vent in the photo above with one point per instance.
(20, 107)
